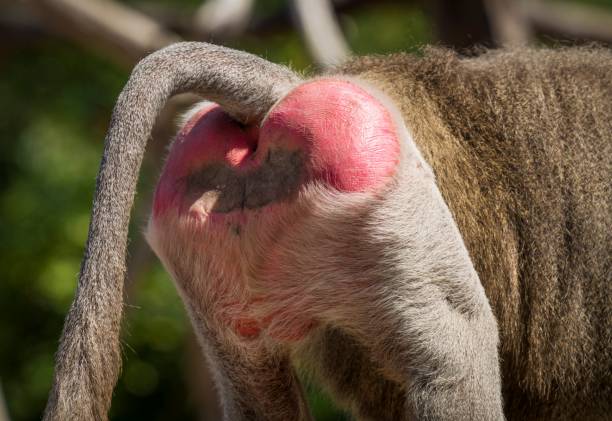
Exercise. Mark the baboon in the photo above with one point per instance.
(429, 237)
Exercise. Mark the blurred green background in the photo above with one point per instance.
(55, 102)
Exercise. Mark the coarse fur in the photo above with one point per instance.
(351, 263)
(502, 188)
(388, 266)
(521, 145)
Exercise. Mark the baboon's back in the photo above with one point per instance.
(521, 144)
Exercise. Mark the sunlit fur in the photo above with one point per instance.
(521, 145)
(389, 267)
(519, 142)
(503, 188)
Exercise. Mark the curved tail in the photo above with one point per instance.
(88, 361)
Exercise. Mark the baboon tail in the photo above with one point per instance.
(88, 361)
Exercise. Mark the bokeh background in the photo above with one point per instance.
(62, 65)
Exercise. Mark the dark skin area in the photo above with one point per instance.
(275, 179)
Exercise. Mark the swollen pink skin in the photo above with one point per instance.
(349, 135)
(348, 142)
(209, 136)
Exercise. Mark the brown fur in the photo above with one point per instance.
(521, 144)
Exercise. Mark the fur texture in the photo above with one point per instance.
(499, 208)
(386, 265)
(521, 145)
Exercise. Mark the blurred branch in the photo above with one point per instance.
(561, 19)
(3, 410)
(508, 23)
(460, 24)
(279, 20)
(321, 31)
(234, 14)
(223, 17)
(122, 32)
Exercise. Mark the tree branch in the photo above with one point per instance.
(323, 35)
(508, 23)
(223, 17)
(567, 20)
(120, 31)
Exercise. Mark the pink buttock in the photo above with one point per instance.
(349, 135)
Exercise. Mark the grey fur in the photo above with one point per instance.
(89, 359)
(520, 141)
(389, 268)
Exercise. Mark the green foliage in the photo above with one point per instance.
(55, 102)
(606, 4)
(405, 29)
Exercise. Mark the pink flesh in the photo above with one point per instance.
(210, 136)
(251, 328)
(349, 134)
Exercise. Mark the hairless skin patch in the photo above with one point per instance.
(331, 131)
(217, 166)
(277, 177)
(348, 134)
